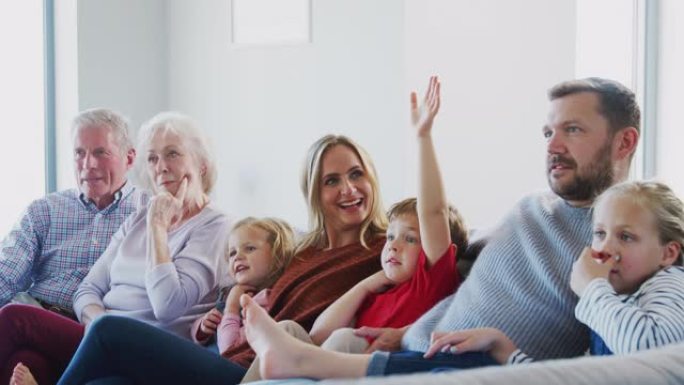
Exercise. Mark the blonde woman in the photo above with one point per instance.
(343, 247)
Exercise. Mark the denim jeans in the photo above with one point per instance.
(119, 350)
(597, 347)
(384, 363)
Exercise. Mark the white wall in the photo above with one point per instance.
(66, 84)
(22, 150)
(670, 133)
(263, 106)
(496, 59)
(606, 51)
(120, 54)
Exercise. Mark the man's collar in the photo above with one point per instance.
(118, 194)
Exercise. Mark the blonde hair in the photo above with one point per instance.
(195, 140)
(657, 197)
(457, 226)
(374, 224)
(281, 237)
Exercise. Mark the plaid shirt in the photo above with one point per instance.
(59, 237)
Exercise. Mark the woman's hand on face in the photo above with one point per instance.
(588, 267)
(490, 340)
(422, 116)
(167, 209)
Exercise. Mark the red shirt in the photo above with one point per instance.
(404, 304)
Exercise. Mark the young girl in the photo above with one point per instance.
(630, 282)
(258, 250)
(418, 260)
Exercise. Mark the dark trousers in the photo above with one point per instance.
(40, 339)
(383, 364)
(118, 350)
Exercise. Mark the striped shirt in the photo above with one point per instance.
(519, 282)
(652, 316)
(56, 241)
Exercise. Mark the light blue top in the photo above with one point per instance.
(170, 295)
(520, 282)
(58, 238)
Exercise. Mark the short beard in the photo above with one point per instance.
(590, 182)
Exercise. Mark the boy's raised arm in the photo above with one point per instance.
(433, 210)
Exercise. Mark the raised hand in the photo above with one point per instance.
(589, 266)
(166, 209)
(422, 116)
(489, 340)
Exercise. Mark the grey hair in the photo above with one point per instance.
(97, 117)
(196, 141)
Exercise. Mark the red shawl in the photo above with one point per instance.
(314, 280)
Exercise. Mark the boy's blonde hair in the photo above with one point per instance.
(281, 237)
(371, 227)
(457, 226)
(657, 197)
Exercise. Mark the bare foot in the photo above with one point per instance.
(22, 376)
(280, 354)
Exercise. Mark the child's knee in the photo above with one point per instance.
(294, 329)
(344, 340)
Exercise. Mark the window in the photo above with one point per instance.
(22, 139)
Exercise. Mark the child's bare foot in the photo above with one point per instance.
(280, 355)
(22, 376)
(283, 356)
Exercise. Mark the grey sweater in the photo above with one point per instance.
(520, 282)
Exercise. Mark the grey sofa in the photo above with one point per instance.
(650, 367)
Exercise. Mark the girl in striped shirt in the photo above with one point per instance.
(630, 281)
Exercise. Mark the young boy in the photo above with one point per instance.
(411, 282)
(418, 260)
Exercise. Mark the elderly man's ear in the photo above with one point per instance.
(130, 158)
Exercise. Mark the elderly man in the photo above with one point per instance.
(519, 283)
(59, 237)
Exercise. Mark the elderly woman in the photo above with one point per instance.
(160, 267)
(343, 247)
